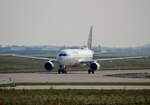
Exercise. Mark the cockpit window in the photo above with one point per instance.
(62, 54)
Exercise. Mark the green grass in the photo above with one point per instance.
(12, 64)
(74, 97)
(76, 83)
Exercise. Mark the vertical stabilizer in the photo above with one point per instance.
(89, 44)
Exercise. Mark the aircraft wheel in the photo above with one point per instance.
(89, 71)
(65, 71)
(62, 71)
(92, 71)
(59, 71)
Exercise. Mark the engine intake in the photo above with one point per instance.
(49, 65)
(95, 66)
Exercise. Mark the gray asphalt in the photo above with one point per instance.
(75, 76)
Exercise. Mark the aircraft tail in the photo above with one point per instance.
(89, 44)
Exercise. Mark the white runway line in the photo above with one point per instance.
(108, 87)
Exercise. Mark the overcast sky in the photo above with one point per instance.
(117, 23)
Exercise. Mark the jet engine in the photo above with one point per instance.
(49, 65)
(94, 66)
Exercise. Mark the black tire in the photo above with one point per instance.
(92, 71)
(62, 71)
(59, 71)
(65, 71)
(89, 71)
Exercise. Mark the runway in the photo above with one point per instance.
(75, 76)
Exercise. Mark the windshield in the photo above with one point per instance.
(62, 54)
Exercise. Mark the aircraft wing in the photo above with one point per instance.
(112, 59)
(121, 58)
(36, 58)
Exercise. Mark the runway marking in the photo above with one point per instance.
(108, 87)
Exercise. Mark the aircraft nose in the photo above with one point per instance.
(63, 60)
(60, 59)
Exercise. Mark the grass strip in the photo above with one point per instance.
(74, 97)
(75, 83)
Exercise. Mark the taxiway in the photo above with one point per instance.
(75, 76)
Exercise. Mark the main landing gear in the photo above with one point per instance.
(62, 70)
(91, 71)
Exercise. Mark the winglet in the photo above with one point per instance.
(89, 44)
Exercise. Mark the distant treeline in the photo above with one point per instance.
(55, 49)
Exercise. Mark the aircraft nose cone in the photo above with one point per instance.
(60, 60)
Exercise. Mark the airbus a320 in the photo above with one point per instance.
(76, 57)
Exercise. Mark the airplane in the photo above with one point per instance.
(76, 57)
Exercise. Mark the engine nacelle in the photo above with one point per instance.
(49, 65)
(94, 66)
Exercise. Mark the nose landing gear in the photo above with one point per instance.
(62, 70)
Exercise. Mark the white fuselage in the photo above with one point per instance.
(71, 57)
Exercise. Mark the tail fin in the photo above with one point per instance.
(89, 44)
